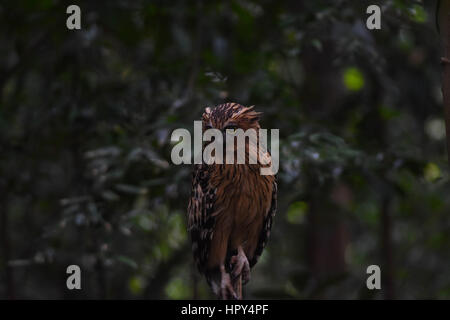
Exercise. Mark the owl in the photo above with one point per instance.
(231, 208)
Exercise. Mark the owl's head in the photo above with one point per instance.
(230, 116)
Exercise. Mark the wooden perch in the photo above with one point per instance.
(238, 287)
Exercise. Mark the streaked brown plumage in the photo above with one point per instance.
(230, 209)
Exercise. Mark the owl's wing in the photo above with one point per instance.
(267, 226)
(200, 215)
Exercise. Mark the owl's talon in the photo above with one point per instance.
(226, 287)
(241, 266)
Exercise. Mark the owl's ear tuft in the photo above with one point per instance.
(253, 115)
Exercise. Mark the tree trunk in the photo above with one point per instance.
(387, 250)
(6, 246)
(443, 19)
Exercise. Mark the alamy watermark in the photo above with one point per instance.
(230, 146)
(374, 280)
(74, 280)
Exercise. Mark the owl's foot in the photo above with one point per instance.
(241, 266)
(226, 287)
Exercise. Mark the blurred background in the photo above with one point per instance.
(85, 124)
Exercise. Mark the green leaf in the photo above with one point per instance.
(353, 79)
(296, 212)
(128, 261)
(177, 289)
(418, 14)
(136, 285)
(432, 172)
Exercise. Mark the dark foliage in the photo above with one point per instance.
(86, 118)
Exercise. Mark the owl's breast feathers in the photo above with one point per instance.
(230, 206)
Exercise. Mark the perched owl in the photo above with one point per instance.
(231, 208)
